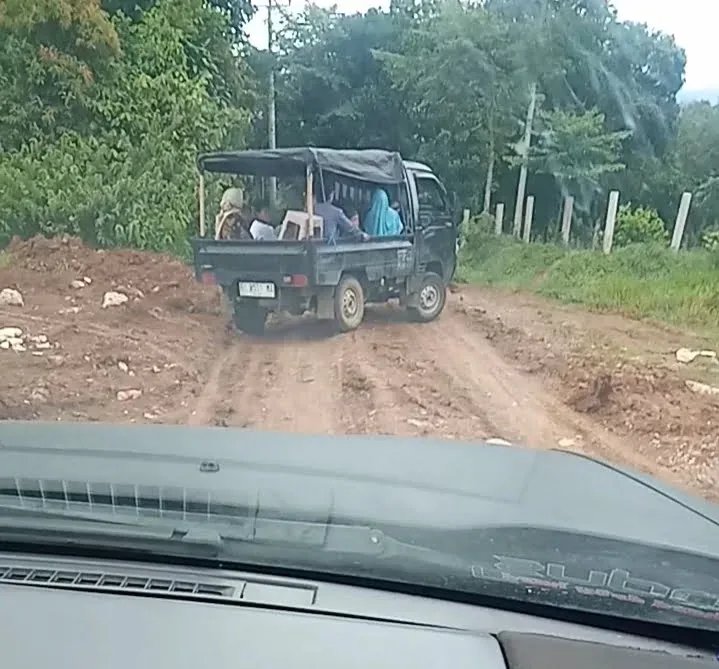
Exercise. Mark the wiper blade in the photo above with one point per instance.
(77, 526)
(255, 537)
(329, 539)
(375, 543)
(69, 526)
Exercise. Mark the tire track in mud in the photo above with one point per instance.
(357, 392)
(287, 381)
(359, 399)
(244, 385)
(441, 379)
(303, 387)
(211, 396)
(369, 403)
(425, 400)
(473, 365)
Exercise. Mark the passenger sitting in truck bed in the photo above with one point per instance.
(382, 220)
(351, 213)
(335, 222)
(231, 221)
(261, 227)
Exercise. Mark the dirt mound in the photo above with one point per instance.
(42, 266)
(70, 357)
(594, 378)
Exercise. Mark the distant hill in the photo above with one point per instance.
(711, 94)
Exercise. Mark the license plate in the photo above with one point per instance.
(256, 289)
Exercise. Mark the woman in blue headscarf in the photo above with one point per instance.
(381, 219)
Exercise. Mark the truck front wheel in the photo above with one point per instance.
(431, 298)
(250, 318)
(349, 304)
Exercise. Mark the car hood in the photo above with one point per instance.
(390, 480)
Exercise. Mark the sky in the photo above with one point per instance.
(692, 22)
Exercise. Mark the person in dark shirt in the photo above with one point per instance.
(335, 222)
(350, 212)
(353, 215)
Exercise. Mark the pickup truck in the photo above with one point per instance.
(334, 279)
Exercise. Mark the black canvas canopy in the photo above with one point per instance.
(373, 165)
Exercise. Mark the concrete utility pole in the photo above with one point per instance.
(271, 111)
(567, 219)
(527, 139)
(525, 146)
(610, 221)
(681, 221)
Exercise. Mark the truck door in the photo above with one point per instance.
(436, 222)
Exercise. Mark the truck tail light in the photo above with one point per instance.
(208, 278)
(295, 280)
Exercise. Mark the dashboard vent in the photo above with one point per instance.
(107, 581)
(256, 590)
(113, 582)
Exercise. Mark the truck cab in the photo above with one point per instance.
(434, 220)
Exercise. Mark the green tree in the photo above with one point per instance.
(127, 176)
(576, 151)
(51, 54)
(697, 156)
(331, 89)
(457, 74)
(639, 226)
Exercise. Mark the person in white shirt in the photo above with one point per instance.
(260, 228)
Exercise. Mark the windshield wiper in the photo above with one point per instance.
(259, 538)
(74, 527)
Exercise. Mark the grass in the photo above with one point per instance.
(4, 259)
(643, 281)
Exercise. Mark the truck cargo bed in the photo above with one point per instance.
(232, 260)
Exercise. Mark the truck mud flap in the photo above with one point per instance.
(325, 302)
(413, 285)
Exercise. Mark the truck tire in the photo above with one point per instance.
(431, 298)
(250, 318)
(349, 304)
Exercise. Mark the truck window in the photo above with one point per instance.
(430, 195)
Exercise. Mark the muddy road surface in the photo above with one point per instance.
(494, 366)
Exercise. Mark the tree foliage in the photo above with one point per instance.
(119, 106)
(448, 82)
(106, 102)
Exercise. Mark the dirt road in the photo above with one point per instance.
(493, 366)
(444, 379)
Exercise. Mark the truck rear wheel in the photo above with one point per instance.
(431, 298)
(250, 318)
(349, 304)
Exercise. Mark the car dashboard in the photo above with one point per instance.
(69, 613)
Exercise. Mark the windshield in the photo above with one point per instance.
(477, 260)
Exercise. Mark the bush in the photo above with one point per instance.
(127, 177)
(476, 228)
(109, 193)
(710, 240)
(638, 226)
